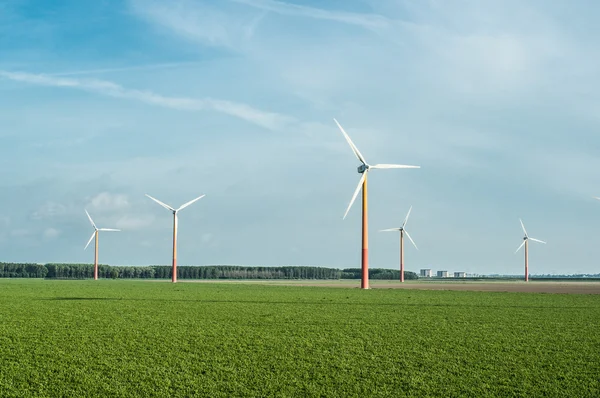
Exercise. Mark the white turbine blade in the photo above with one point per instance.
(523, 226)
(595, 197)
(90, 241)
(412, 241)
(109, 229)
(90, 217)
(183, 206)
(390, 230)
(161, 203)
(520, 246)
(394, 166)
(406, 219)
(537, 240)
(360, 184)
(354, 148)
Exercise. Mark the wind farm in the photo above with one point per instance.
(263, 273)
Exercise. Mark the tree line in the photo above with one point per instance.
(86, 271)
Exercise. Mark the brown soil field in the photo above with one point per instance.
(492, 286)
(530, 287)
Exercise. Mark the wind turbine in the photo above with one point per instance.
(175, 211)
(403, 231)
(525, 243)
(95, 235)
(362, 183)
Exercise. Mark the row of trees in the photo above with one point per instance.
(378, 273)
(16, 270)
(86, 271)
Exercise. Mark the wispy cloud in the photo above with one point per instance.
(203, 22)
(134, 222)
(126, 68)
(49, 210)
(51, 233)
(106, 200)
(369, 21)
(269, 120)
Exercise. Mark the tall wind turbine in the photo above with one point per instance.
(364, 169)
(95, 235)
(175, 211)
(525, 243)
(403, 231)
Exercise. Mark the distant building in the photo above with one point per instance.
(426, 273)
(460, 274)
(442, 274)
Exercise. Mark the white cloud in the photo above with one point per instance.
(269, 120)
(207, 237)
(369, 21)
(20, 232)
(108, 201)
(49, 210)
(131, 222)
(51, 233)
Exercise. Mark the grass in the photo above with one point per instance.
(133, 338)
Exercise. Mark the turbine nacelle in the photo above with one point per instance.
(362, 168)
(172, 209)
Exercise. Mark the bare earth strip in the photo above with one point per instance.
(513, 286)
(531, 287)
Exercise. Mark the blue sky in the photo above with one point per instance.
(105, 101)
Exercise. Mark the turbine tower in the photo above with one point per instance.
(95, 235)
(525, 243)
(175, 211)
(364, 169)
(403, 231)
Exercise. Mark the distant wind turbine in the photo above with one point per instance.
(95, 235)
(175, 211)
(525, 243)
(402, 231)
(362, 183)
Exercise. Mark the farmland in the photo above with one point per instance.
(134, 338)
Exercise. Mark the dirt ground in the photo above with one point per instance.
(529, 287)
(579, 287)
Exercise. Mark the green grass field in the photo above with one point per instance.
(134, 338)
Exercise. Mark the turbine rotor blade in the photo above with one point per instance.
(537, 240)
(523, 226)
(390, 230)
(90, 217)
(522, 244)
(161, 203)
(412, 241)
(90, 241)
(406, 219)
(183, 206)
(359, 156)
(394, 166)
(595, 197)
(109, 229)
(358, 188)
